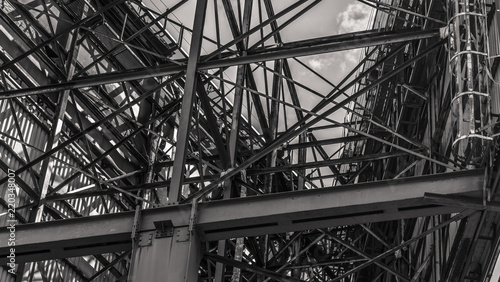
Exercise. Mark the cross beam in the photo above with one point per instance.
(250, 216)
(293, 49)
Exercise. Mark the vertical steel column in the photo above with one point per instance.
(273, 123)
(240, 76)
(302, 158)
(168, 256)
(468, 59)
(187, 102)
(235, 127)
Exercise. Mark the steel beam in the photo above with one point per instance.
(173, 258)
(251, 268)
(240, 76)
(295, 49)
(364, 255)
(331, 162)
(212, 123)
(187, 102)
(250, 216)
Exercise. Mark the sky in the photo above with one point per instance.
(327, 18)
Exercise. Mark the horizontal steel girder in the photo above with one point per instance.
(295, 49)
(250, 216)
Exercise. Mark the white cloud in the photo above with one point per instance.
(353, 55)
(354, 18)
(338, 61)
(316, 64)
(324, 61)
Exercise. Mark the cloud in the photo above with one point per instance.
(353, 55)
(354, 18)
(324, 61)
(316, 63)
(342, 61)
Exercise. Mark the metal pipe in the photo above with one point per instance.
(468, 59)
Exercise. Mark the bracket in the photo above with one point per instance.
(183, 235)
(145, 239)
(164, 229)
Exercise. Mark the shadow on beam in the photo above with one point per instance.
(250, 216)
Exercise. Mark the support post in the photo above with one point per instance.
(169, 255)
(187, 102)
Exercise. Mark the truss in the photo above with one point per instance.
(242, 135)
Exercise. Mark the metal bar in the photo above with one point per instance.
(245, 35)
(212, 123)
(221, 246)
(300, 166)
(263, 214)
(139, 32)
(406, 11)
(300, 126)
(93, 126)
(240, 76)
(275, 28)
(273, 123)
(111, 264)
(250, 268)
(58, 36)
(259, 109)
(464, 202)
(374, 137)
(170, 107)
(315, 47)
(298, 253)
(87, 145)
(422, 267)
(31, 192)
(105, 262)
(457, 217)
(414, 91)
(57, 126)
(314, 142)
(363, 254)
(187, 102)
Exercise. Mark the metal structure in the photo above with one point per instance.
(196, 141)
